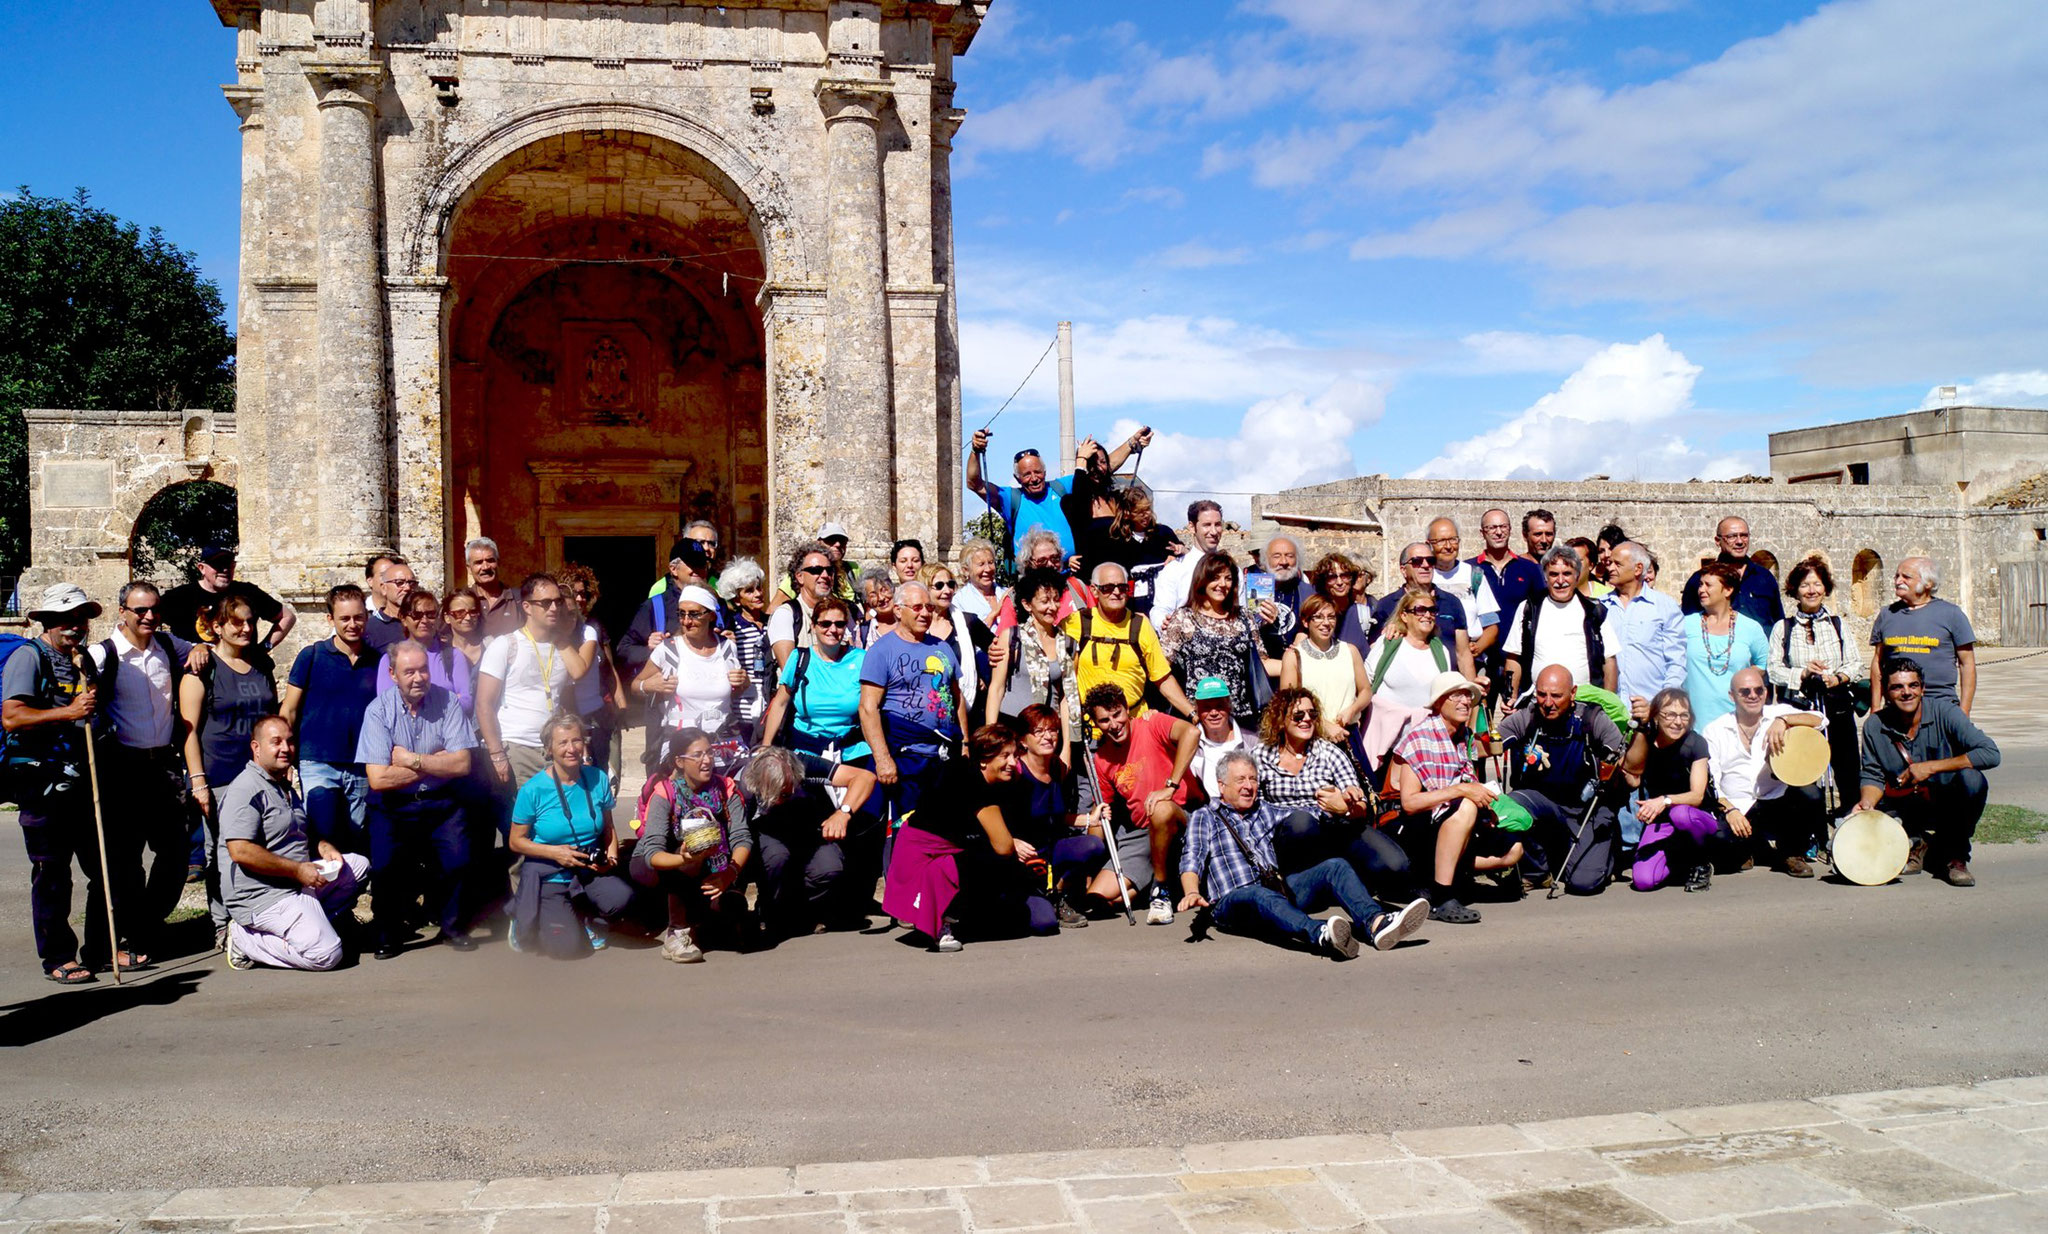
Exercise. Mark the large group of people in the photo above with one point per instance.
(1141, 722)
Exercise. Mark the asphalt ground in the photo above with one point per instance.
(847, 1047)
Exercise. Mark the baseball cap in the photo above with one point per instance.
(1211, 688)
(833, 531)
(63, 599)
(218, 555)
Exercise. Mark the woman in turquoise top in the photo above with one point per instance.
(1719, 643)
(819, 692)
(562, 826)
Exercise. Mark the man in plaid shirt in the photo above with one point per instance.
(1442, 802)
(1229, 850)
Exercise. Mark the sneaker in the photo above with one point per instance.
(1453, 912)
(1336, 935)
(1797, 867)
(1958, 875)
(1067, 915)
(1916, 857)
(679, 946)
(1701, 878)
(599, 934)
(946, 942)
(1161, 912)
(1391, 927)
(458, 940)
(512, 936)
(236, 959)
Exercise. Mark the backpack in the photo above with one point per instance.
(38, 761)
(103, 719)
(801, 674)
(665, 785)
(1392, 647)
(1591, 614)
(1133, 628)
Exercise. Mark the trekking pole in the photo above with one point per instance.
(99, 827)
(1116, 861)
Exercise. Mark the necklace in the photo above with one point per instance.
(1309, 649)
(1717, 667)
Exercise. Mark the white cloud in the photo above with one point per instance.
(1621, 414)
(1509, 351)
(1083, 119)
(1195, 255)
(2028, 389)
(1280, 443)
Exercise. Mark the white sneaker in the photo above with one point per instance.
(1161, 912)
(236, 959)
(1391, 927)
(679, 946)
(1336, 935)
(947, 942)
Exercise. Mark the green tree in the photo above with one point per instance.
(95, 314)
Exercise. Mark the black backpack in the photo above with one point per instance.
(38, 763)
(103, 719)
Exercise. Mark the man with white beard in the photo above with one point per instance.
(1282, 560)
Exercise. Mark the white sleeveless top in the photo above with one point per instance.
(1329, 677)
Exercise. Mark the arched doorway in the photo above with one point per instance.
(604, 362)
(176, 525)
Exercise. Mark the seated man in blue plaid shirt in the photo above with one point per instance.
(1229, 849)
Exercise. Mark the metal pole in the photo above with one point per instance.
(1066, 459)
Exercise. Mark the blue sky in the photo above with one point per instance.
(1310, 238)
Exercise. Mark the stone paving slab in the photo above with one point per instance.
(1947, 1159)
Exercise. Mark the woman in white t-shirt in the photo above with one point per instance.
(698, 670)
(1406, 660)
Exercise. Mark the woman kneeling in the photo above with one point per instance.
(694, 844)
(562, 826)
(956, 870)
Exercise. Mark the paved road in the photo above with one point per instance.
(847, 1047)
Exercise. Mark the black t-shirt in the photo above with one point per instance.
(180, 606)
(1036, 810)
(952, 812)
(1667, 770)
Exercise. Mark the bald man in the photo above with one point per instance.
(1560, 755)
(1772, 821)
(1467, 582)
(1757, 596)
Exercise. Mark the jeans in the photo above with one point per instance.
(412, 835)
(1948, 818)
(1255, 910)
(54, 838)
(337, 804)
(1305, 838)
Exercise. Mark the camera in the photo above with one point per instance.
(592, 855)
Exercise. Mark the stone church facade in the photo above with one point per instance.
(570, 275)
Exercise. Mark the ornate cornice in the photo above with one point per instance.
(345, 83)
(852, 98)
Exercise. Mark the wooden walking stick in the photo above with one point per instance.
(99, 827)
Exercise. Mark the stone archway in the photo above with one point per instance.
(604, 372)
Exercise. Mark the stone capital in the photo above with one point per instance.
(345, 83)
(946, 126)
(852, 98)
(247, 102)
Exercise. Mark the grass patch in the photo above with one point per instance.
(2011, 825)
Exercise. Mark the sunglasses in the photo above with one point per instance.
(457, 614)
(1751, 691)
(1113, 589)
(1347, 575)
(552, 602)
(1021, 455)
(945, 586)
(828, 625)
(1423, 610)
(1302, 717)
(1419, 561)
(815, 570)
(694, 614)
(141, 610)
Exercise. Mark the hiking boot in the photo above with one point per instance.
(1067, 915)
(1454, 912)
(1958, 875)
(236, 959)
(1390, 928)
(1701, 878)
(1336, 935)
(679, 946)
(947, 942)
(1916, 857)
(1748, 863)
(1161, 911)
(1797, 866)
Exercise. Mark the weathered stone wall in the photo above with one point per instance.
(1987, 447)
(90, 473)
(1861, 531)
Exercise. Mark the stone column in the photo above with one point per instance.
(354, 484)
(804, 490)
(857, 389)
(419, 422)
(252, 440)
(952, 479)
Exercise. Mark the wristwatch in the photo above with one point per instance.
(415, 760)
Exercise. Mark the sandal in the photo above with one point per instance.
(131, 961)
(70, 972)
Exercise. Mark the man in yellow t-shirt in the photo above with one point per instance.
(1119, 647)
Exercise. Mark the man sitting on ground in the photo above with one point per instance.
(1142, 765)
(1445, 810)
(281, 902)
(1229, 852)
(1556, 748)
(1763, 811)
(1924, 764)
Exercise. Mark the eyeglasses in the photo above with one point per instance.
(1444, 540)
(828, 625)
(815, 570)
(1023, 454)
(1113, 589)
(457, 614)
(700, 756)
(1418, 561)
(1751, 691)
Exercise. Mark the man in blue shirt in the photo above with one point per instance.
(1644, 631)
(1227, 865)
(329, 686)
(1035, 502)
(1757, 596)
(415, 748)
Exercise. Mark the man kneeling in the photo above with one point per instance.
(281, 903)
(1229, 849)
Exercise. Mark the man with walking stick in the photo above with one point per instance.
(48, 703)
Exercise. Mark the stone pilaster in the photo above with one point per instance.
(419, 436)
(354, 472)
(805, 488)
(952, 480)
(253, 497)
(857, 364)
